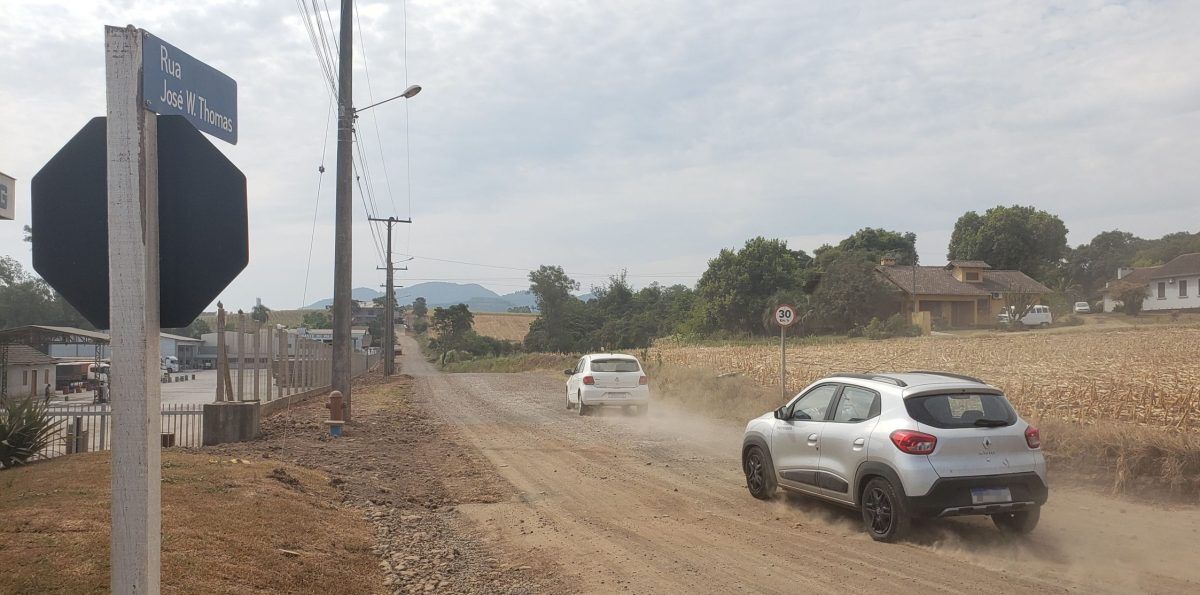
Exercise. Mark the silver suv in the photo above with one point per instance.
(898, 446)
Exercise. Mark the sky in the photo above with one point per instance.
(647, 136)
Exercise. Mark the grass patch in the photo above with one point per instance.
(225, 525)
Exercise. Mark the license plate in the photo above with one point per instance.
(617, 395)
(990, 495)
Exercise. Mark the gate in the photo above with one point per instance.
(87, 428)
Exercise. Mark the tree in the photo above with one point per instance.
(419, 308)
(737, 284)
(195, 330)
(874, 244)
(316, 319)
(1016, 237)
(260, 313)
(452, 326)
(1092, 264)
(28, 234)
(851, 294)
(1131, 296)
(26, 299)
(561, 315)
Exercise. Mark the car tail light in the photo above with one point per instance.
(913, 442)
(1033, 437)
(643, 381)
(588, 380)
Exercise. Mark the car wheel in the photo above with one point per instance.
(583, 409)
(883, 512)
(1018, 523)
(760, 473)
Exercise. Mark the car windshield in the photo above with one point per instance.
(961, 410)
(615, 365)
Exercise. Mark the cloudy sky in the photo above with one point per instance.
(647, 136)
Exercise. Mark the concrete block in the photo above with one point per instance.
(235, 421)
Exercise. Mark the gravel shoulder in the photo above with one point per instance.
(658, 504)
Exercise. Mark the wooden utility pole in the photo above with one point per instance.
(343, 219)
(389, 316)
(133, 293)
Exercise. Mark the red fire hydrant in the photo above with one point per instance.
(336, 418)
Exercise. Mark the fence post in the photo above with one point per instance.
(257, 358)
(220, 351)
(241, 356)
(281, 353)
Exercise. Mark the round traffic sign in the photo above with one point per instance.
(785, 315)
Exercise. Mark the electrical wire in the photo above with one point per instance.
(317, 204)
(374, 118)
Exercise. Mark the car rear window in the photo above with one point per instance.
(961, 410)
(615, 365)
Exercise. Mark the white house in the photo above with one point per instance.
(29, 371)
(1169, 287)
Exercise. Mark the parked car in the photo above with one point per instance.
(607, 379)
(899, 446)
(1083, 308)
(1037, 316)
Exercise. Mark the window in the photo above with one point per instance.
(1162, 290)
(615, 365)
(815, 403)
(960, 411)
(579, 366)
(24, 377)
(1183, 288)
(971, 275)
(857, 404)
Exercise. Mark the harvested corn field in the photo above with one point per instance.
(1149, 376)
(509, 327)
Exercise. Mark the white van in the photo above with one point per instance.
(1037, 316)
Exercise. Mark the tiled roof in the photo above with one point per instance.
(940, 281)
(968, 264)
(24, 355)
(1184, 265)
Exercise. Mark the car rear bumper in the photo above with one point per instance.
(951, 496)
(638, 395)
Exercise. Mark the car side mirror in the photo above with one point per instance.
(779, 413)
(569, 372)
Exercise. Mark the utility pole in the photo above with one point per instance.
(343, 219)
(389, 316)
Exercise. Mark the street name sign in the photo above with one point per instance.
(201, 220)
(175, 83)
(8, 198)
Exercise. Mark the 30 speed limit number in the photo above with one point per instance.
(785, 315)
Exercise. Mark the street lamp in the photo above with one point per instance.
(408, 93)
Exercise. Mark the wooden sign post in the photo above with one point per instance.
(133, 293)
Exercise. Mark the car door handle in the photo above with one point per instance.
(860, 442)
(812, 441)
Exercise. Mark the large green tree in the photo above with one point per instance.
(874, 244)
(560, 322)
(27, 299)
(419, 308)
(260, 313)
(452, 326)
(851, 293)
(738, 283)
(1019, 238)
(317, 319)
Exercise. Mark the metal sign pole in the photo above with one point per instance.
(132, 157)
(783, 360)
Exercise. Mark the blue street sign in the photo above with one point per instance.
(174, 83)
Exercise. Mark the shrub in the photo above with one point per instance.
(25, 429)
(897, 325)
(420, 326)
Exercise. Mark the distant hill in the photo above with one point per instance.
(359, 293)
(520, 298)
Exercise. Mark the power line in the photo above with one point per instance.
(316, 206)
(374, 118)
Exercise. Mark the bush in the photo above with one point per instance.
(420, 326)
(897, 325)
(25, 429)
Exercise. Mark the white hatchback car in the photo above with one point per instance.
(611, 379)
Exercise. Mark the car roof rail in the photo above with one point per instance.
(875, 377)
(949, 375)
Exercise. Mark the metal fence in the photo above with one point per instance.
(86, 428)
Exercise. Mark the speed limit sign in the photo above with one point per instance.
(785, 315)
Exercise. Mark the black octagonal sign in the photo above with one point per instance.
(203, 241)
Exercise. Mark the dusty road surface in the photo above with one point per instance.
(658, 504)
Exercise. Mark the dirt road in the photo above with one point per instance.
(658, 504)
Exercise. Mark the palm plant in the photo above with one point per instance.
(25, 429)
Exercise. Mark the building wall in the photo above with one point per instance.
(1172, 300)
(20, 380)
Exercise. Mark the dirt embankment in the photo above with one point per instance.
(230, 525)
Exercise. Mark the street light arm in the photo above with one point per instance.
(408, 93)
